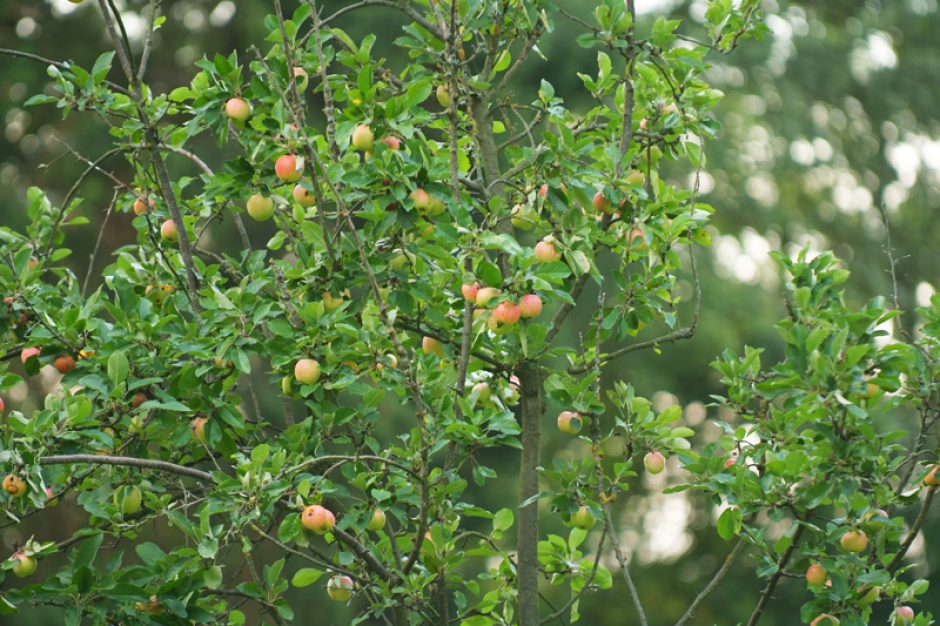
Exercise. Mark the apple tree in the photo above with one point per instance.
(451, 262)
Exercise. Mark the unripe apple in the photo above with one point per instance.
(29, 353)
(237, 110)
(470, 291)
(259, 207)
(570, 422)
(523, 217)
(301, 79)
(507, 312)
(307, 371)
(483, 391)
(485, 294)
(636, 178)
(392, 360)
(14, 485)
(318, 519)
(545, 251)
(494, 325)
(198, 426)
(377, 521)
(443, 95)
(340, 588)
(168, 231)
(825, 620)
(903, 615)
(286, 383)
(23, 565)
(600, 202)
(64, 363)
(393, 143)
(362, 138)
(854, 541)
(816, 574)
(128, 499)
(530, 305)
(869, 594)
(289, 168)
(430, 345)
(422, 200)
(654, 462)
(329, 302)
(582, 518)
(400, 259)
(931, 479)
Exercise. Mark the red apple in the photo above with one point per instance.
(825, 620)
(931, 479)
(64, 363)
(545, 251)
(23, 565)
(2, 406)
(138, 399)
(307, 371)
(362, 138)
(142, 205)
(237, 110)
(854, 541)
(816, 574)
(485, 294)
(198, 426)
(430, 345)
(340, 588)
(470, 291)
(730, 462)
(394, 143)
(903, 615)
(654, 462)
(569, 422)
(14, 485)
(29, 353)
(289, 168)
(600, 202)
(422, 200)
(543, 190)
(168, 231)
(507, 312)
(530, 305)
(317, 518)
(303, 196)
(582, 518)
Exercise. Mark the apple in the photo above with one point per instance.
(507, 312)
(903, 615)
(582, 518)
(869, 594)
(64, 363)
(400, 259)
(14, 485)
(138, 399)
(289, 168)
(730, 462)
(543, 190)
(636, 178)
(854, 541)
(377, 521)
(303, 196)
(307, 371)
(523, 217)
(51, 499)
(422, 200)
(443, 95)
(545, 251)
(825, 620)
(530, 305)
(362, 138)
(816, 574)
(483, 391)
(654, 462)
(600, 202)
(340, 588)
(329, 302)
(286, 383)
(569, 422)
(931, 479)
(29, 353)
(2, 406)
(394, 143)
(142, 205)
(198, 426)
(168, 231)
(23, 565)
(301, 79)
(237, 110)
(259, 207)
(128, 499)
(470, 292)
(318, 519)
(430, 345)
(486, 294)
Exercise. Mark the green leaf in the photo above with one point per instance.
(117, 367)
(503, 520)
(729, 523)
(306, 576)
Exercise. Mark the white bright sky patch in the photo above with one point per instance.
(924, 293)
(666, 528)
(874, 53)
(222, 13)
(744, 258)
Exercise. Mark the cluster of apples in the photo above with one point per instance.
(507, 312)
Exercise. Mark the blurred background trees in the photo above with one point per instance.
(829, 132)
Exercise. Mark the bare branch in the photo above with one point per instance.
(105, 459)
